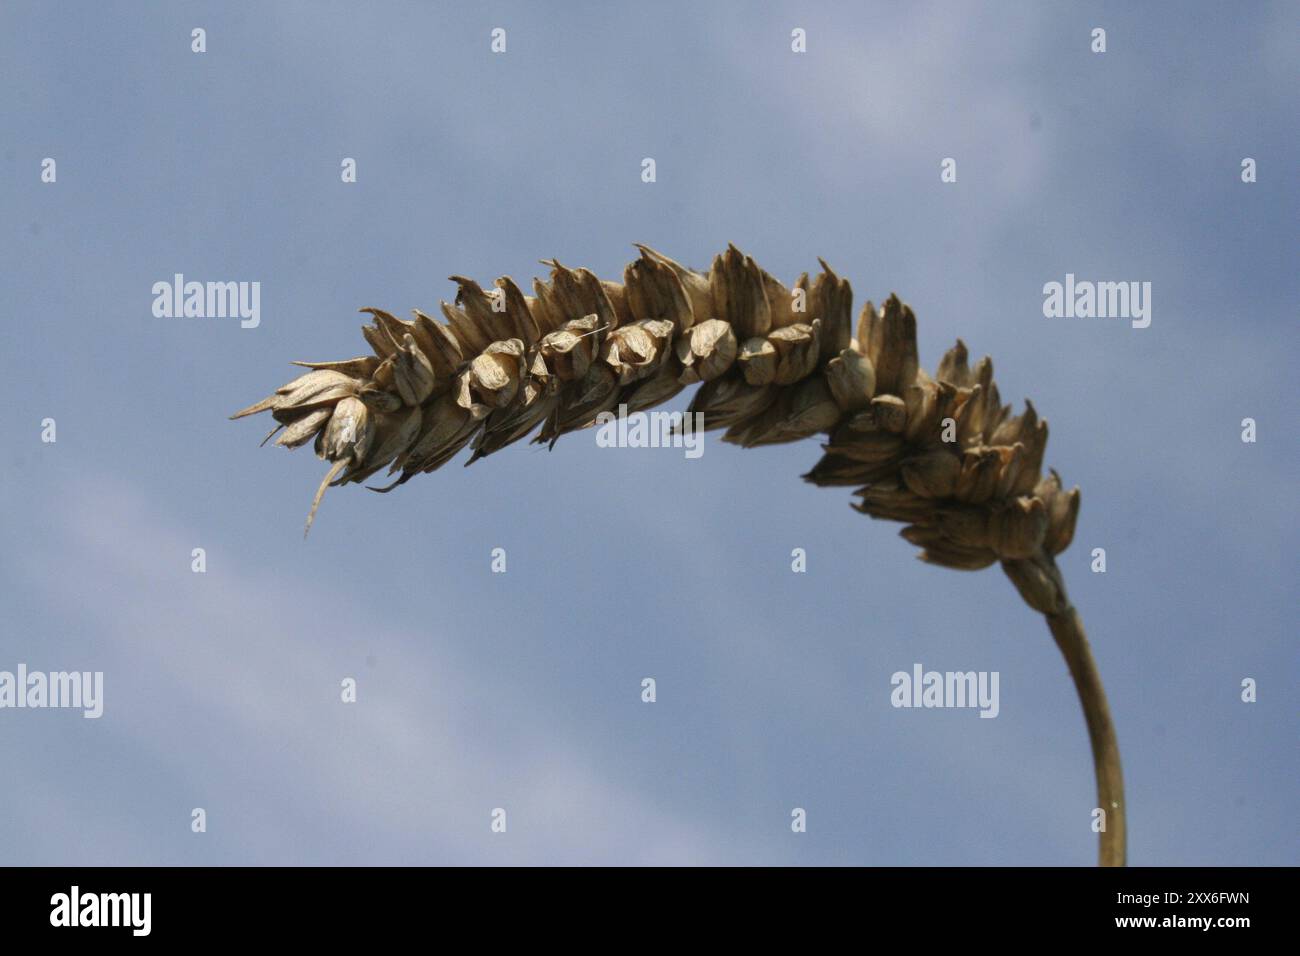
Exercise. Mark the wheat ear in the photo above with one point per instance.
(776, 364)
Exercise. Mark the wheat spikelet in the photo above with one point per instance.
(939, 452)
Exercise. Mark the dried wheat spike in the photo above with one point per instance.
(939, 452)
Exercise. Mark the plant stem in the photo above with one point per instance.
(1067, 630)
(1040, 583)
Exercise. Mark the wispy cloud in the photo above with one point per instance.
(225, 687)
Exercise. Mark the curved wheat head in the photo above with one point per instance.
(775, 364)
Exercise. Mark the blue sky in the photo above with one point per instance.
(522, 690)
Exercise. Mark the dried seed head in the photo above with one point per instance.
(889, 337)
(472, 336)
(617, 294)
(780, 300)
(466, 398)
(729, 400)
(361, 368)
(695, 284)
(798, 412)
(531, 407)
(349, 432)
(654, 291)
(833, 305)
(412, 372)
(494, 374)
(486, 312)
(953, 368)
(573, 294)
(978, 478)
(386, 334)
(660, 386)
(304, 429)
(595, 392)
(706, 350)
(776, 364)
(315, 389)
(519, 320)
(383, 377)
(964, 526)
(757, 359)
(394, 433)
(443, 423)
(635, 351)
(852, 380)
(738, 296)
(440, 344)
(379, 399)
(1017, 528)
(797, 348)
(569, 351)
(1062, 512)
(890, 412)
(886, 499)
(931, 475)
